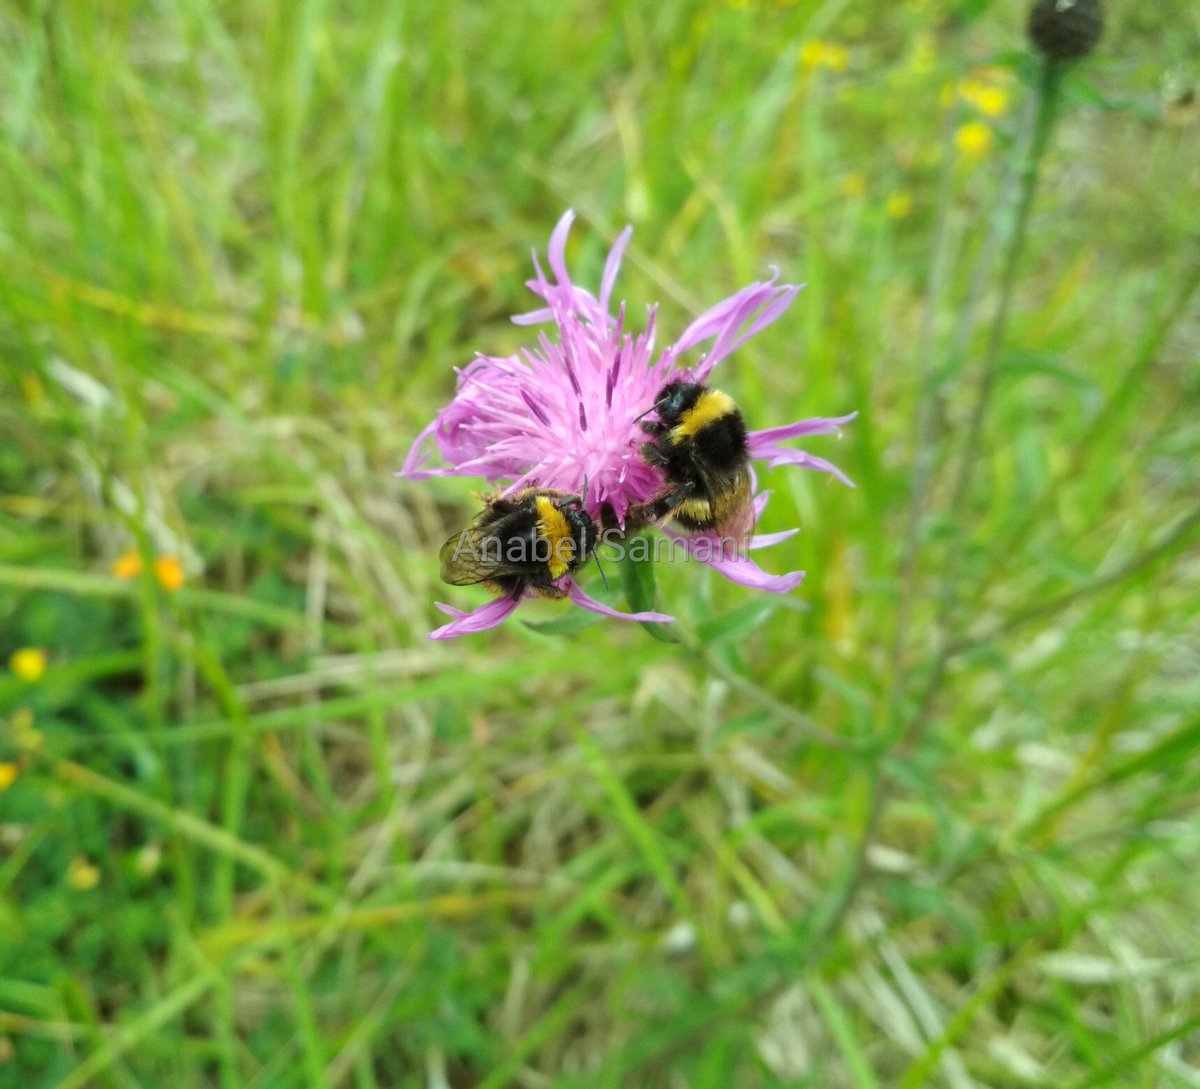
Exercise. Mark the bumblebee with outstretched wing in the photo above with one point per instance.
(527, 541)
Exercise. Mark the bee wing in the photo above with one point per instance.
(474, 555)
(733, 509)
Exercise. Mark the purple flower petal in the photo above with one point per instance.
(557, 250)
(413, 467)
(486, 616)
(760, 442)
(612, 267)
(576, 594)
(784, 456)
(715, 318)
(727, 343)
(745, 572)
(764, 302)
(735, 565)
(533, 317)
(565, 409)
(765, 540)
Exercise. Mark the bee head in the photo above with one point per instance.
(583, 529)
(674, 399)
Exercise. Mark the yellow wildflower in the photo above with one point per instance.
(28, 663)
(899, 204)
(127, 566)
(973, 140)
(854, 185)
(817, 54)
(991, 101)
(986, 90)
(8, 774)
(169, 572)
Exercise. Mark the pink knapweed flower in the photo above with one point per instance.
(566, 410)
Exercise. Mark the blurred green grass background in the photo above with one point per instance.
(929, 820)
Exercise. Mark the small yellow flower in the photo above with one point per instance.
(169, 572)
(28, 663)
(817, 54)
(82, 874)
(986, 90)
(899, 204)
(991, 101)
(974, 140)
(127, 566)
(8, 774)
(854, 185)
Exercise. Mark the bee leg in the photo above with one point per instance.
(653, 427)
(518, 590)
(658, 509)
(652, 455)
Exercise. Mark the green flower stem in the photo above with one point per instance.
(1012, 231)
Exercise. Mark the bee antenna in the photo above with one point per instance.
(603, 576)
(646, 413)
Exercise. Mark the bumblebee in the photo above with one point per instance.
(525, 541)
(700, 446)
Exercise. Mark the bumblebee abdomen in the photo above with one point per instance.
(694, 515)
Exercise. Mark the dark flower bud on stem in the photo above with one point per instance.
(1065, 30)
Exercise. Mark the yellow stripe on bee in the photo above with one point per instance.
(711, 405)
(552, 526)
(698, 510)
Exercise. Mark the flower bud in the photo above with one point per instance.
(1065, 30)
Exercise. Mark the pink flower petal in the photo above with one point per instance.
(557, 250)
(765, 540)
(745, 572)
(413, 467)
(486, 616)
(784, 456)
(727, 343)
(534, 317)
(764, 302)
(735, 565)
(715, 318)
(564, 409)
(576, 594)
(612, 267)
(818, 425)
